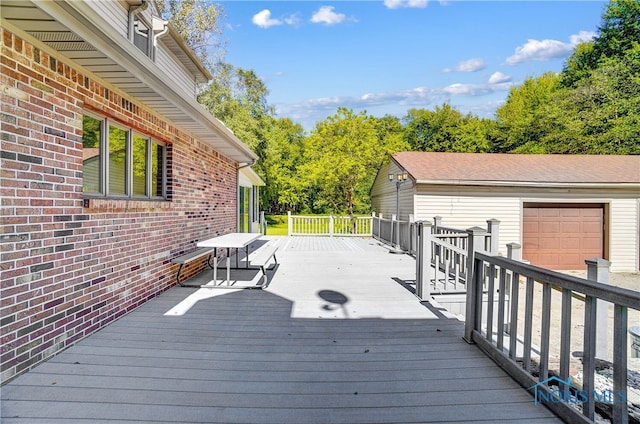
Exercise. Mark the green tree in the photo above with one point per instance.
(342, 156)
(197, 21)
(521, 119)
(446, 129)
(473, 135)
(432, 131)
(285, 189)
(237, 97)
(601, 114)
(618, 32)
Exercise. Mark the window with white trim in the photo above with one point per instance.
(119, 162)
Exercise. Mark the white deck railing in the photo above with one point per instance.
(311, 225)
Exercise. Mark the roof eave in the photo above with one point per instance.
(94, 29)
(530, 184)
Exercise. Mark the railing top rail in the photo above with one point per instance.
(613, 294)
(334, 216)
(453, 230)
(311, 216)
(465, 235)
(451, 247)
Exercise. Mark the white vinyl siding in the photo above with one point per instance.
(383, 194)
(623, 235)
(472, 209)
(113, 12)
(172, 67)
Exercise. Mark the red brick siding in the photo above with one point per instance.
(69, 265)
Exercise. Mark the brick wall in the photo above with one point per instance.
(69, 265)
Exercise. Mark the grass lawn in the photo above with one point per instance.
(277, 225)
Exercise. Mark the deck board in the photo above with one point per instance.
(281, 355)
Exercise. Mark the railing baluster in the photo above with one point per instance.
(565, 336)
(490, 299)
(528, 316)
(513, 324)
(545, 331)
(620, 409)
(501, 305)
(588, 356)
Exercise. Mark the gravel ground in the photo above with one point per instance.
(626, 280)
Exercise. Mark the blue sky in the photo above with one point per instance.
(389, 56)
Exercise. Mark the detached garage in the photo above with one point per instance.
(562, 209)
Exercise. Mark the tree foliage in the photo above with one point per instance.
(591, 107)
(197, 21)
(341, 158)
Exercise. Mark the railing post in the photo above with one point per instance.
(373, 220)
(598, 270)
(424, 272)
(331, 224)
(289, 223)
(437, 223)
(412, 236)
(393, 218)
(263, 223)
(493, 228)
(473, 314)
(514, 251)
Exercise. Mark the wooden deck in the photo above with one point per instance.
(335, 338)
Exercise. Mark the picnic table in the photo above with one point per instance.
(229, 241)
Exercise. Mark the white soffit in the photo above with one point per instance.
(76, 31)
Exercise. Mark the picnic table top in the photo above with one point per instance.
(231, 240)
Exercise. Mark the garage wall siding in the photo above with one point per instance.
(383, 194)
(469, 210)
(623, 235)
(467, 206)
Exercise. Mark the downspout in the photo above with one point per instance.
(134, 10)
(159, 27)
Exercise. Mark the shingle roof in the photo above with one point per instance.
(494, 167)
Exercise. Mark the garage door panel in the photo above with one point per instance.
(562, 237)
(592, 227)
(570, 227)
(548, 243)
(592, 212)
(567, 243)
(569, 212)
(568, 260)
(549, 227)
(549, 212)
(593, 245)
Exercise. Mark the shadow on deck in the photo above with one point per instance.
(345, 344)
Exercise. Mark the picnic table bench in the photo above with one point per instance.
(190, 257)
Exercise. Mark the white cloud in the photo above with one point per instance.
(313, 110)
(293, 20)
(499, 77)
(263, 19)
(397, 4)
(543, 50)
(471, 65)
(581, 37)
(326, 15)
